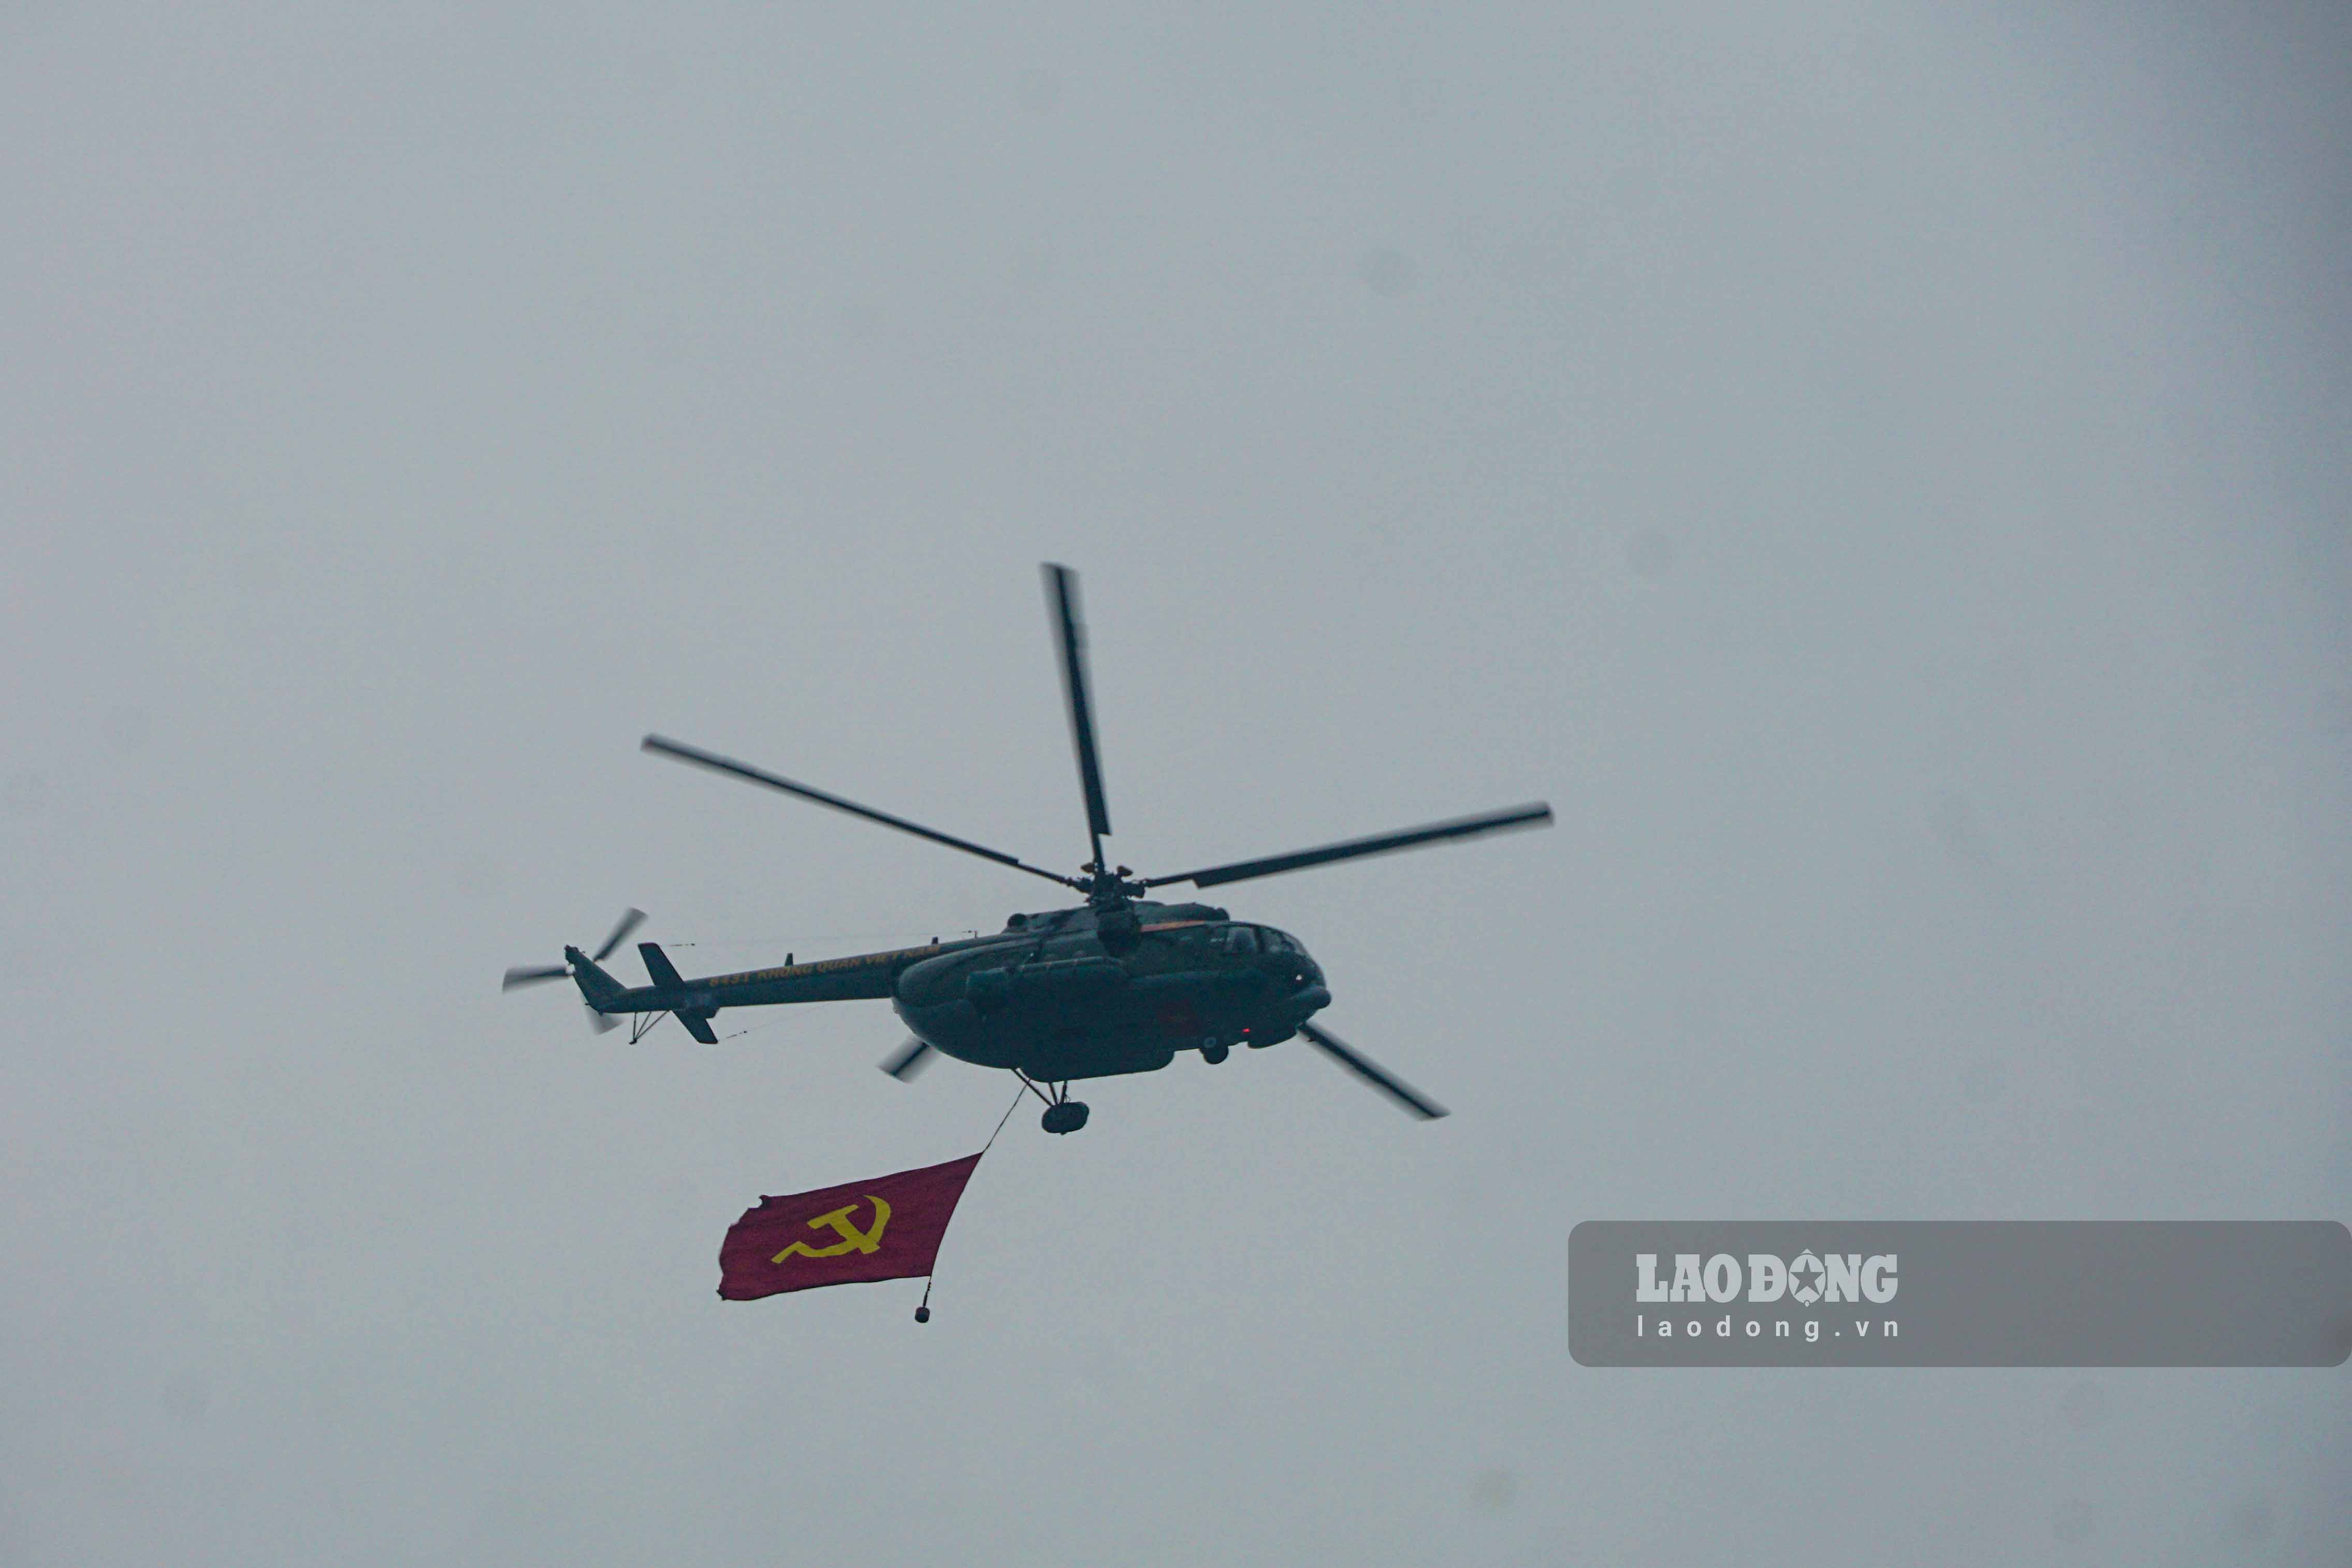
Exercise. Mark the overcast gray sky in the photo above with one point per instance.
(1879, 470)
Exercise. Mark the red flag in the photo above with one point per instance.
(887, 1228)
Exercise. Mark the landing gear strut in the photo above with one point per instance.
(1063, 1114)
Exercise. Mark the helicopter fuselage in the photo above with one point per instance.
(1059, 1005)
(1056, 995)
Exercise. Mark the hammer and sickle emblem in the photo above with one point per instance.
(852, 1239)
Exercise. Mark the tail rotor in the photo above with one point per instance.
(570, 970)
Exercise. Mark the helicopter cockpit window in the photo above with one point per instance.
(1241, 939)
(1275, 941)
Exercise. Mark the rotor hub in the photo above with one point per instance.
(1108, 889)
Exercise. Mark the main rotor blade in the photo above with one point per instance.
(1061, 593)
(1427, 1109)
(745, 770)
(1535, 815)
(908, 1060)
(534, 977)
(629, 922)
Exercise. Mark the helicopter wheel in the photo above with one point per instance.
(1215, 1051)
(1067, 1116)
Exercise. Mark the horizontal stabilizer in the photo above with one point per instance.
(667, 977)
(658, 965)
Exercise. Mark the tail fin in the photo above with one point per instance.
(596, 985)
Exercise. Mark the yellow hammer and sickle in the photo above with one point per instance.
(852, 1239)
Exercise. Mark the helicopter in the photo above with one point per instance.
(1117, 984)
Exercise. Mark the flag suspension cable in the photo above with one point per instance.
(923, 1312)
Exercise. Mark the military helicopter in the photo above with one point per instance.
(1117, 984)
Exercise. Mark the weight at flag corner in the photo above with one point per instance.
(887, 1228)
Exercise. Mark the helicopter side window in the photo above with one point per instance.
(1241, 939)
